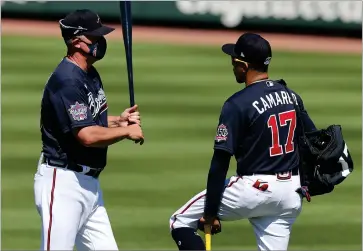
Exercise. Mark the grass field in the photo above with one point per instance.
(180, 91)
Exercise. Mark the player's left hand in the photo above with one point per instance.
(304, 192)
(130, 116)
(215, 224)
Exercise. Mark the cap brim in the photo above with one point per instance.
(102, 31)
(229, 49)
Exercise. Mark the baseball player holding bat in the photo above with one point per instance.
(76, 132)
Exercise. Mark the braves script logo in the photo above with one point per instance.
(78, 111)
(97, 105)
(222, 133)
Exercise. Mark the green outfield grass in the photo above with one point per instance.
(180, 90)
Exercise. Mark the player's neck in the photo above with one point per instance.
(251, 79)
(79, 60)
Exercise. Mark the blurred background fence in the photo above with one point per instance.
(323, 17)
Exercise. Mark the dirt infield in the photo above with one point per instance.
(193, 37)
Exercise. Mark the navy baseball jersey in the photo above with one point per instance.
(72, 99)
(258, 126)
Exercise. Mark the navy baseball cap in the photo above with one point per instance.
(83, 22)
(251, 48)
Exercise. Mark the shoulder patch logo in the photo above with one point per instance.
(222, 133)
(78, 111)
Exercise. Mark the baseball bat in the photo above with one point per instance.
(208, 237)
(126, 24)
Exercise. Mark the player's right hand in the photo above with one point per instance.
(215, 224)
(135, 133)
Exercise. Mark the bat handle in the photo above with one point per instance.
(208, 237)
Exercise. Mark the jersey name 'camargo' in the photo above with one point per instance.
(273, 99)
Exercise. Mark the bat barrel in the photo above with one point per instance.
(126, 24)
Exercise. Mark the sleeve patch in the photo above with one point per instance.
(78, 111)
(222, 133)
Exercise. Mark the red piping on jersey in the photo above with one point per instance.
(51, 208)
(196, 199)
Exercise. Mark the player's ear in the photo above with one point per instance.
(75, 42)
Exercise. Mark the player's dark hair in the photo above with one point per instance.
(259, 68)
(68, 45)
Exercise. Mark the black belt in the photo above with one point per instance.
(93, 172)
(294, 172)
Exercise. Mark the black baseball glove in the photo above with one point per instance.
(326, 161)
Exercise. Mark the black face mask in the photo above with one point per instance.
(98, 49)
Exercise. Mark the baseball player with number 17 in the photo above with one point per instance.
(257, 125)
(281, 158)
(76, 132)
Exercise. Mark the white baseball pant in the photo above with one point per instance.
(271, 212)
(72, 212)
